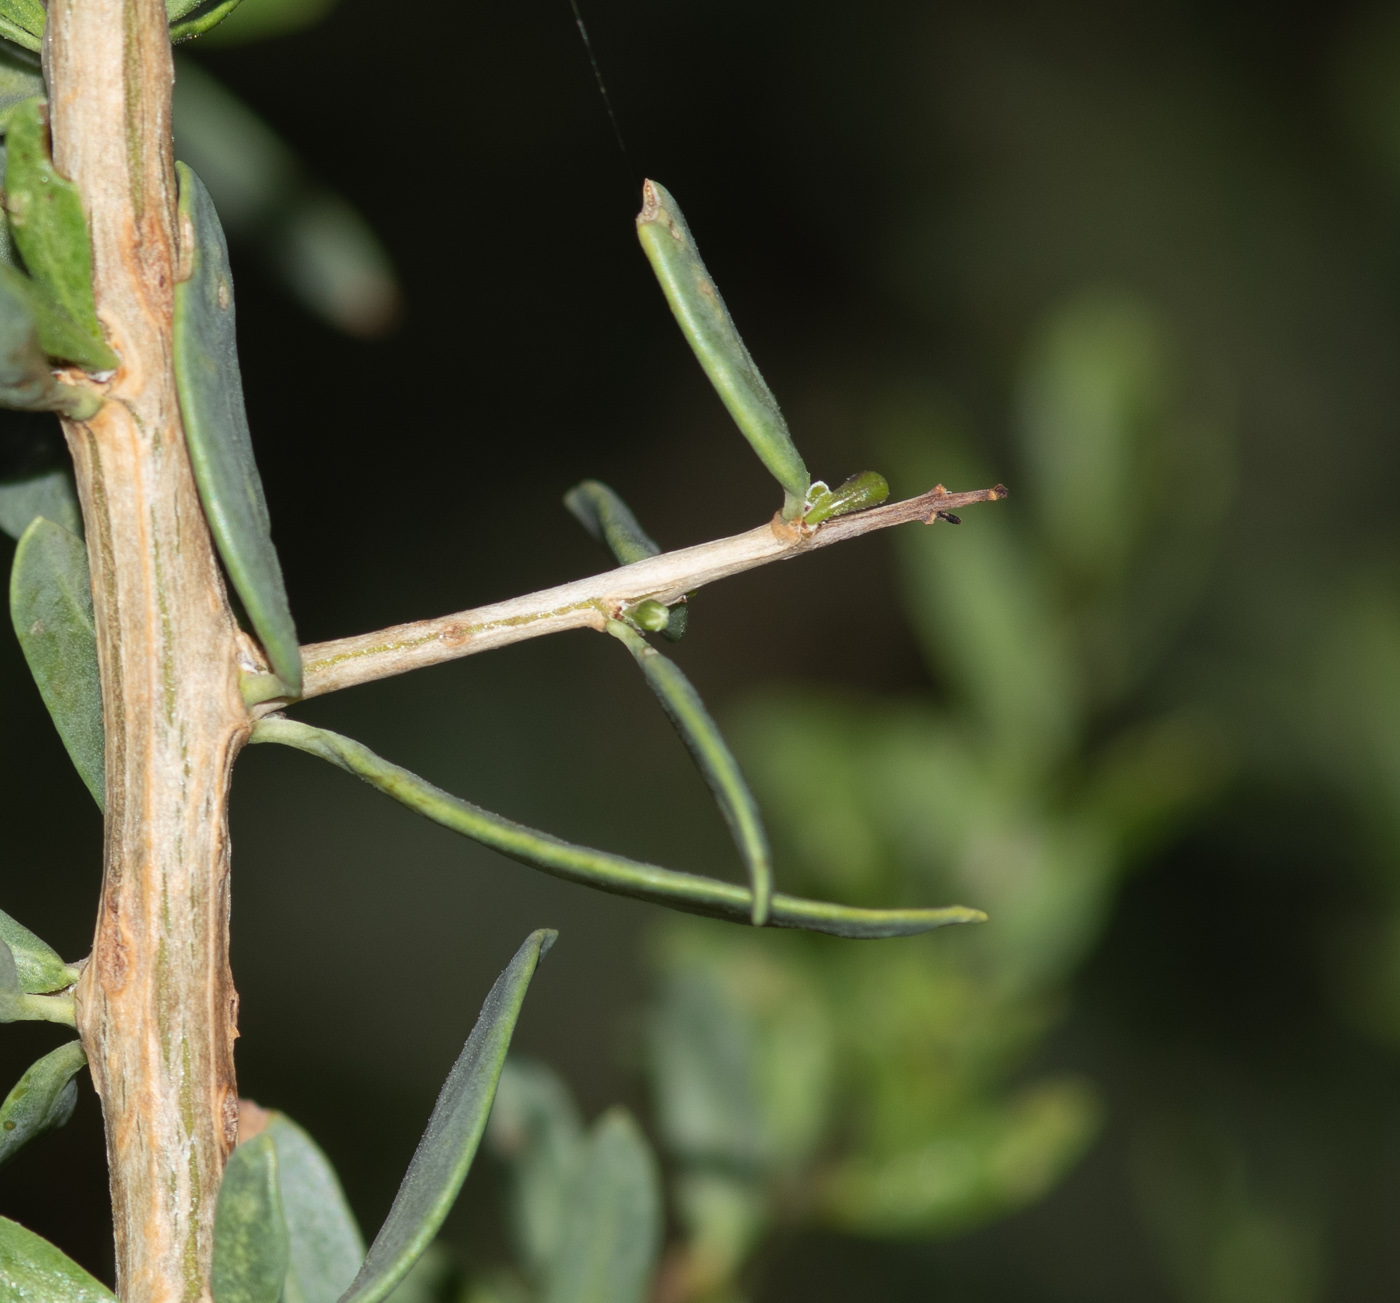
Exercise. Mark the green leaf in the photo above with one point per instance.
(609, 519)
(868, 489)
(257, 20)
(50, 229)
(23, 21)
(216, 427)
(58, 334)
(600, 869)
(203, 18)
(49, 494)
(705, 321)
(33, 1271)
(16, 1006)
(39, 969)
(43, 1099)
(325, 1245)
(713, 758)
(323, 250)
(51, 606)
(612, 1234)
(444, 1155)
(536, 1129)
(26, 380)
(251, 1251)
(20, 79)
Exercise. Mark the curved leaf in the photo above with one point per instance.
(31, 1269)
(39, 969)
(710, 331)
(612, 1232)
(601, 869)
(44, 1098)
(444, 1155)
(250, 1232)
(50, 229)
(22, 21)
(216, 427)
(609, 519)
(51, 606)
(712, 757)
(26, 381)
(202, 18)
(325, 1245)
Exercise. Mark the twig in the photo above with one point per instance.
(590, 603)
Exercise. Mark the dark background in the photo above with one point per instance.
(874, 185)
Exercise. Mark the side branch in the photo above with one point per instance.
(590, 603)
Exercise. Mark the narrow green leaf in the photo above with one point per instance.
(536, 1129)
(20, 79)
(445, 1153)
(201, 19)
(33, 1271)
(39, 969)
(50, 228)
(51, 606)
(612, 1234)
(15, 1006)
(609, 519)
(49, 494)
(58, 334)
(26, 380)
(216, 426)
(44, 1098)
(712, 757)
(250, 1232)
(325, 1245)
(23, 21)
(706, 323)
(868, 489)
(600, 869)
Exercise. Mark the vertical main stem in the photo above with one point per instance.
(156, 1006)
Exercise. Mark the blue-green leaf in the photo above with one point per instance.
(39, 970)
(51, 606)
(251, 1251)
(50, 229)
(536, 1129)
(600, 869)
(712, 757)
(49, 494)
(216, 427)
(710, 331)
(33, 1271)
(44, 1098)
(609, 519)
(612, 1231)
(325, 1245)
(445, 1153)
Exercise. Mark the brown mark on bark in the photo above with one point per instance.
(156, 1007)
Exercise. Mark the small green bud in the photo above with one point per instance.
(651, 616)
(868, 489)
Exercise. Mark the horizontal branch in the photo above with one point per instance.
(590, 603)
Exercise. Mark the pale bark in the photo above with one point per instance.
(156, 1007)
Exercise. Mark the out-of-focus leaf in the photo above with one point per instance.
(987, 1163)
(319, 247)
(610, 520)
(710, 331)
(26, 381)
(50, 229)
(536, 1129)
(325, 1248)
(44, 1098)
(51, 606)
(20, 79)
(250, 1233)
(48, 494)
(599, 869)
(712, 757)
(210, 386)
(444, 1155)
(32, 1269)
(724, 1216)
(258, 20)
(39, 970)
(612, 1233)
